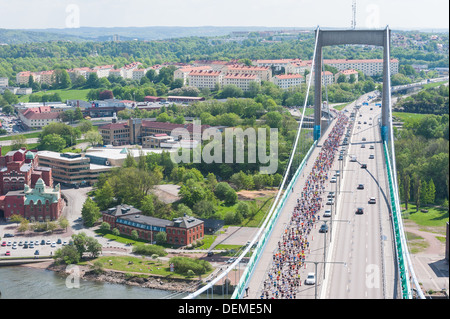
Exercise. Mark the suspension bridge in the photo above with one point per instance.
(359, 255)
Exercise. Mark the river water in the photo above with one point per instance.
(29, 283)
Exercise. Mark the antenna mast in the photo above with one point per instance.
(354, 14)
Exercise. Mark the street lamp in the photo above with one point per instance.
(315, 270)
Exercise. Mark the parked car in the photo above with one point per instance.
(8, 253)
(372, 200)
(371, 156)
(4, 244)
(42, 242)
(36, 252)
(360, 186)
(327, 213)
(371, 147)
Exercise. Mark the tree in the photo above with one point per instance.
(52, 142)
(147, 206)
(224, 192)
(105, 95)
(104, 196)
(93, 81)
(90, 212)
(406, 189)
(18, 141)
(85, 126)
(67, 254)
(93, 137)
(431, 192)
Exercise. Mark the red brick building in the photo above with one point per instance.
(180, 231)
(20, 168)
(42, 203)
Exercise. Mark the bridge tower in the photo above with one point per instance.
(362, 37)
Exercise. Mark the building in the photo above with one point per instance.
(347, 74)
(264, 73)
(20, 168)
(183, 72)
(369, 67)
(41, 203)
(285, 81)
(184, 99)
(280, 65)
(327, 78)
(38, 117)
(180, 231)
(134, 130)
(205, 79)
(72, 169)
(154, 141)
(4, 82)
(241, 80)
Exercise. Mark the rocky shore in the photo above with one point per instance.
(122, 278)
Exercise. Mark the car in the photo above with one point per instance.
(364, 139)
(323, 228)
(210, 253)
(42, 242)
(372, 200)
(48, 242)
(363, 165)
(360, 186)
(327, 213)
(8, 253)
(330, 195)
(20, 243)
(330, 201)
(9, 243)
(360, 210)
(64, 243)
(365, 122)
(363, 146)
(371, 156)
(371, 147)
(8, 235)
(36, 243)
(59, 241)
(341, 157)
(310, 279)
(333, 180)
(53, 245)
(4, 244)
(338, 173)
(36, 252)
(25, 246)
(14, 246)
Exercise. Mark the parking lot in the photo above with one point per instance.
(27, 246)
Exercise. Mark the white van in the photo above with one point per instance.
(353, 158)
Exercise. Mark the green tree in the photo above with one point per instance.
(67, 254)
(93, 137)
(52, 142)
(104, 196)
(90, 212)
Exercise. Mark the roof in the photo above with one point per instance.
(114, 126)
(204, 73)
(40, 116)
(357, 61)
(289, 76)
(186, 222)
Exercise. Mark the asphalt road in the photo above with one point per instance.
(362, 246)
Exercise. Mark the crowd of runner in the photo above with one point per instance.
(283, 277)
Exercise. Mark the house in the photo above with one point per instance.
(241, 80)
(180, 231)
(285, 81)
(38, 117)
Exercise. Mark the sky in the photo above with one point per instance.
(398, 14)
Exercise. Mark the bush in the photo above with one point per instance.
(186, 265)
(149, 250)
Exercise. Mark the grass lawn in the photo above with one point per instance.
(403, 116)
(66, 94)
(341, 106)
(141, 265)
(432, 85)
(27, 135)
(435, 217)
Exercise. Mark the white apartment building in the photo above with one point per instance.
(183, 72)
(205, 78)
(369, 67)
(285, 81)
(278, 65)
(242, 81)
(138, 74)
(4, 82)
(300, 66)
(264, 73)
(327, 78)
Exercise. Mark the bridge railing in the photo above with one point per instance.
(265, 236)
(400, 244)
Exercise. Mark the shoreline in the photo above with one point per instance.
(123, 278)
